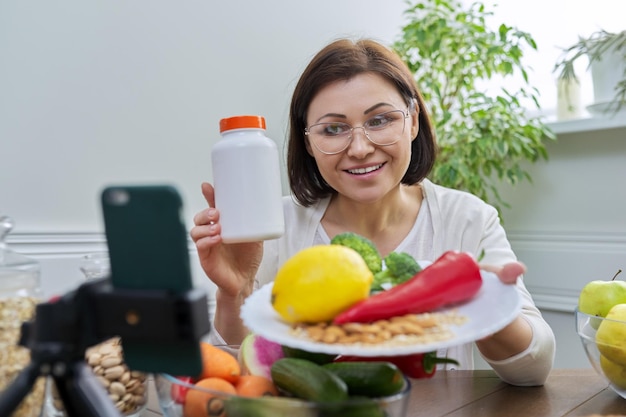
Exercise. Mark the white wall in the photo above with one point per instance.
(574, 18)
(569, 225)
(93, 93)
(132, 91)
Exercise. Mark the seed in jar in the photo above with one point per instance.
(125, 388)
(107, 349)
(114, 372)
(94, 359)
(135, 386)
(110, 361)
(137, 375)
(13, 358)
(125, 377)
(117, 388)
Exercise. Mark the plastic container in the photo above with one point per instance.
(246, 177)
(20, 292)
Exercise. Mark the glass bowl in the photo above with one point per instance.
(608, 359)
(171, 392)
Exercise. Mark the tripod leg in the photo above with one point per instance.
(82, 394)
(13, 395)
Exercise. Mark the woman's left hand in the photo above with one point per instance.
(508, 273)
(517, 335)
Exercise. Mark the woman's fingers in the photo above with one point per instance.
(206, 222)
(201, 218)
(206, 216)
(508, 273)
(210, 215)
(209, 193)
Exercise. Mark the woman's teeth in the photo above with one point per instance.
(360, 171)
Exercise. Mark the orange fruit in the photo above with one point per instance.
(255, 386)
(219, 363)
(202, 404)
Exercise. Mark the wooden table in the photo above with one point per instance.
(571, 392)
(480, 393)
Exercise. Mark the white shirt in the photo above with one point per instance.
(448, 220)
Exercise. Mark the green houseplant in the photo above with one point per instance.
(604, 51)
(484, 139)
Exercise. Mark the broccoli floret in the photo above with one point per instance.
(402, 266)
(399, 267)
(363, 246)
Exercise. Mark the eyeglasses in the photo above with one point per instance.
(333, 137)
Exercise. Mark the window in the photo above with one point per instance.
(556, 24)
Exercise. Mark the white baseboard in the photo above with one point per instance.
(59, 256)
(560, 264)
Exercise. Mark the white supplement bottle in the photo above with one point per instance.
(246, 177)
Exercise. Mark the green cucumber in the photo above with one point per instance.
(354, 407)
(317, 357)
(236, 406)
(371, 379)
(307, 380)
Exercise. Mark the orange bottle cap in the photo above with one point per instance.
(242, 122)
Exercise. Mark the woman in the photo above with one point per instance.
(360, 147)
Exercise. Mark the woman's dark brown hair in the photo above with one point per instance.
(342, 60)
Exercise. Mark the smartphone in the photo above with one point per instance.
(147, 243)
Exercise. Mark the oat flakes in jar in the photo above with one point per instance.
(20, 292)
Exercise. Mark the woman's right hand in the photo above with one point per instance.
(232, 267)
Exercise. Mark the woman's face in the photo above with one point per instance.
(364, 171)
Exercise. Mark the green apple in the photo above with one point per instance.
(611, 335)
(614, 372)
(598, 297)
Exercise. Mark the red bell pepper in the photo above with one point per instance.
(454, 277)
(415, 365)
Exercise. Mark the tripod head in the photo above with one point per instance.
(155, 320)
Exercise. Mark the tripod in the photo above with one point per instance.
(65, 327)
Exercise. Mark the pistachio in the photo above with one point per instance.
(117, 388)
(110, 361)
(126, 388)
(94, 359)
(114, 372)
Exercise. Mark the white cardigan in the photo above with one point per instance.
(460, 221)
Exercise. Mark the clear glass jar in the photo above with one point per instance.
(20, 291)
(95, 265)
(126, 388)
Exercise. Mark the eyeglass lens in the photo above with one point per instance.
(333, 137)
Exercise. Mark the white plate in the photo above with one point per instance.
(495, 306)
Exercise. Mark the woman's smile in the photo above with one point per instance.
(364, 170)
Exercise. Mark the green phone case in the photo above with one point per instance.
(147, 242)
